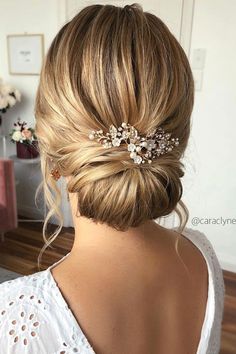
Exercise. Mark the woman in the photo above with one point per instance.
(113, 114)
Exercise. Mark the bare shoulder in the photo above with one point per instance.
(191, 256)
(186, 291)
(182, 256)
(187, 266)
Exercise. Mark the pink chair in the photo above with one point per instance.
(8, 206)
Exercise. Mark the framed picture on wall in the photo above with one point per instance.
(25, 53)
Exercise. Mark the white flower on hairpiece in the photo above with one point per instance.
(150, 144)
(116, 142)
(141, 149)
(131, 147)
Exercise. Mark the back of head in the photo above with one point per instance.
(106, 66)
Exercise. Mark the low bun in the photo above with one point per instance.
(112, 189)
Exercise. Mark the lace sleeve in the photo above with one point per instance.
(32, 320)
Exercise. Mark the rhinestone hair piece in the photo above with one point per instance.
(141, 149)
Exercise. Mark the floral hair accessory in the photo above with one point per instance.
(54, 173)
(141, 149)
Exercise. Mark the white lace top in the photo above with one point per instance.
(35, 318)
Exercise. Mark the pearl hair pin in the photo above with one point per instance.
(141, 149)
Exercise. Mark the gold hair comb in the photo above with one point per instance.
(141, 149)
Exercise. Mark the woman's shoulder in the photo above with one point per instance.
(22, 285)
(22, 304)
(34, 319)
(200, 240)
(211, 330)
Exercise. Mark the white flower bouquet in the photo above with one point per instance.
(25, 139)
(21, 133)
(8, 97)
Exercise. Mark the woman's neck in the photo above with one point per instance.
(97, 237)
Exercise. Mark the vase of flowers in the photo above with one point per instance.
(9, 96)
(25, 139)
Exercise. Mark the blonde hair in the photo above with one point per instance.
(108, 65)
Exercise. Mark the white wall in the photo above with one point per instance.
(30, 16)
(17, 17)
(211, 178)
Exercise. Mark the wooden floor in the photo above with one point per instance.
(21, 247)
